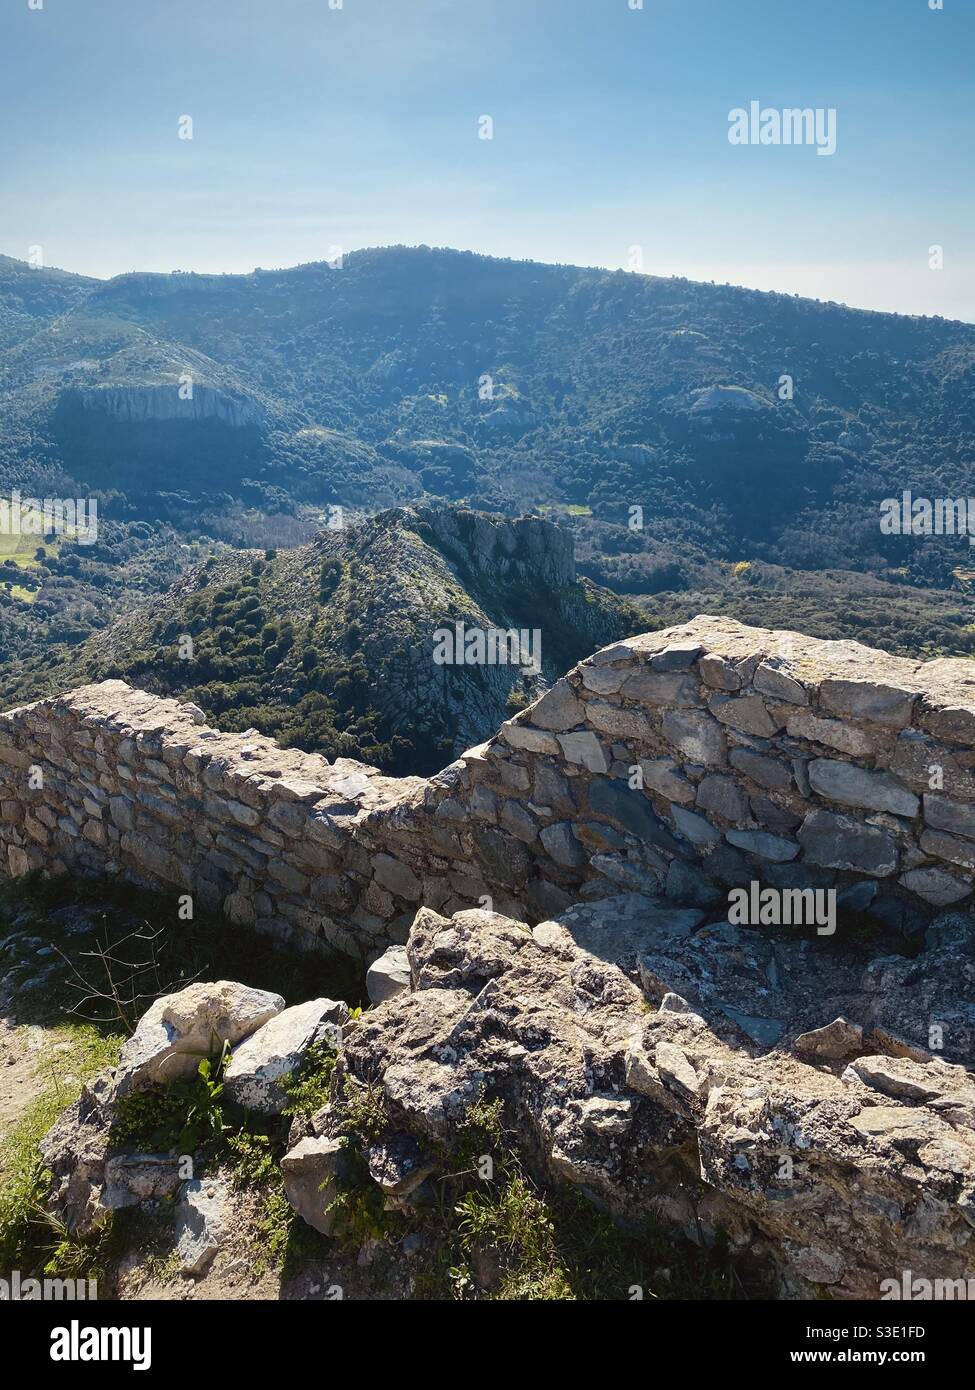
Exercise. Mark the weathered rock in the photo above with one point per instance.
(399, 1165)
(761, 843)
(694, 1088)
(833, 1042)
(696, 735)
(179, 1029)
(855, 786)
(748, 714)
(264, 1063)
(840, 842)
(200, 1223)
(132, 1178)
(558, 710)
(313, 1172)
(388, 975)
(585, 749)
(936, 887)
(722, 797)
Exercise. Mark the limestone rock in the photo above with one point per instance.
(200, 1223)
(388, 975)
(179, 1029)
(261, 1066)
(833, 1042)
(312, 1172)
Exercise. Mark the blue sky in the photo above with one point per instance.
(317, 127)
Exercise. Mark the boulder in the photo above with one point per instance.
(313, 1171)
(264, 1062)
(388, 975)
(179, 1029)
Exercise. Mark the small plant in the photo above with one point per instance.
(184, 1116)
(308, 1091)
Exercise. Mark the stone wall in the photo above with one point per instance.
(688, 761)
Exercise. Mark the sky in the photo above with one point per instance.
(320, 125)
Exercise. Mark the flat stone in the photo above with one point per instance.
(677, 688)
(603, 680)
(719, 673)
(722, 796)
(200, 1224)
(694, 827)
(677, 657)
(559, 709)
(955, 724)
(833, 733)
(399, 1165)
(767, 772)
(957, 817)
(631, 810)
(620, 723)
(674, 1070)
(761, 843)
(531, 740)
(766, 1032)
(517, 821)
(897, 1124)
(312, 1172)
(867, 699)
(584, 749)
(855, 786)
(832, 1043)
(397, 877)
(663, 776)
(772, 679)
(840, 842)
(696, 735)
(685, 883)
(927, 766)
(949, 847)
(561, 843)
(264, 1063)
(746, 713)
(935, 886)
(898, 1077)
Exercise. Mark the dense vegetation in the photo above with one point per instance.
(207, 411)
(328, 646)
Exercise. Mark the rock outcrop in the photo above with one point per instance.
(671, 1069)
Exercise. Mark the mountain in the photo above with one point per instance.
(758, 433)
(330, 646)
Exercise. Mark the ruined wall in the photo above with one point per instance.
(688, 761)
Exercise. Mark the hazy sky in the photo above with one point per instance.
(316, 127)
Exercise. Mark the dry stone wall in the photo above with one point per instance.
(686, 761)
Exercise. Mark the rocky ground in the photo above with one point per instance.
(802, 1107)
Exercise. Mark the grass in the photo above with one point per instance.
(91, 925)
(27, 1237)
